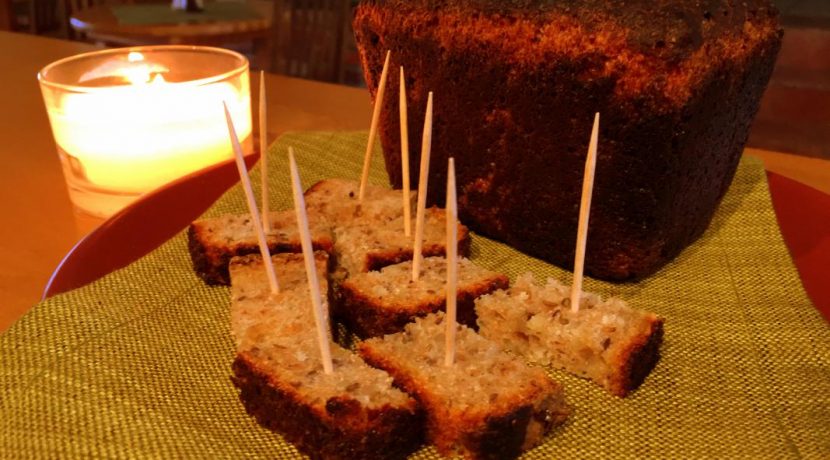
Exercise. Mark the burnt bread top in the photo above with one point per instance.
(670, 28)
(669, 42)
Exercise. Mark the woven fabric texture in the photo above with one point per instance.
(137, 364)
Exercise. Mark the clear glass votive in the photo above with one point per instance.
(127, 121)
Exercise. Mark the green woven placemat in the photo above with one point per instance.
(137, 364)
(144, 14)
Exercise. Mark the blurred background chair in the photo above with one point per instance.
(313, 39)
(6, 14)
(31, 16)
(242, 25)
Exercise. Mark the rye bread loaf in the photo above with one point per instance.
(488, 404)
(606, 341)
(383, 302)
(213, 242)
(677, 83)
(353, 413)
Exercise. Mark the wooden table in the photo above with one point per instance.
(40, 226)
(100, 24)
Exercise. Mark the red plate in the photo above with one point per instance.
(803, 215)
(143, 226)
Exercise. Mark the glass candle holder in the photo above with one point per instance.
(127, 121)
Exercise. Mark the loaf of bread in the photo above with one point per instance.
(606, 341)
(213, 242)
(383, 302)
(517, 83)
(488, 404)
(352, 413)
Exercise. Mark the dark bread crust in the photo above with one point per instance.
(210, 261)
(683, 27)
(316, 187)
(206, 262)
(671, 135)
(362, 316)
(344, 431)
(639, 358)
(502, 436)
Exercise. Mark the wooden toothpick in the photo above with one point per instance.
(373, 128)
(320, 317)
(263, 153)
(584, 214)
(426, 145)
(452, 265)
(249, 195)
(407, 202)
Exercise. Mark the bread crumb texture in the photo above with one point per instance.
(488, 404)
(606, 341)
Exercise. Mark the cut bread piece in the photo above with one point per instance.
(337, 200)
(253, 305)
(213, 242)
(330, 203)
(383, 302)
(354, 412)
(368, 244)
(606, 341)
(488, 404)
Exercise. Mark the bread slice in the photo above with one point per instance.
(489, 404)
(253, 305)
(607, 341)
(368, 243)
(337, 200)
(213, 242)
(353, 413)
(383, 302)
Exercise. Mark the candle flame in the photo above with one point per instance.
(142, 73)
(134, 70)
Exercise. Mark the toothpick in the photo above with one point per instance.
(249, 195)
(263, 153)
(584, 213)
(310, 266)
(373, 128)
(407, 202)
(452, 266)
(426, 145)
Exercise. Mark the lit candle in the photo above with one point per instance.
(135, 125)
